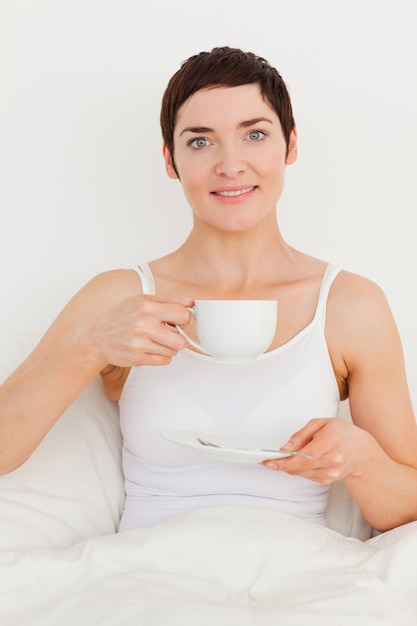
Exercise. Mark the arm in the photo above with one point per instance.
(376, 457)
(107, 322)
(384, 482)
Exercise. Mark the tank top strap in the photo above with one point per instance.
(146, 277)
(328, 278)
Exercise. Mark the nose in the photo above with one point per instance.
(230, 161)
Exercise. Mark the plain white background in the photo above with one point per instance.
(83, 187)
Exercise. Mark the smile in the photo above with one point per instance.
(236, 192)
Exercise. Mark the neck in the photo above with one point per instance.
(235, 262)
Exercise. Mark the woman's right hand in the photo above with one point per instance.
(139, 330)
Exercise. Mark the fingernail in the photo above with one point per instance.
(270, 465)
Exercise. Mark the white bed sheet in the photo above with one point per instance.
(227, 565)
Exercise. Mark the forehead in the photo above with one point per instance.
(217, 106)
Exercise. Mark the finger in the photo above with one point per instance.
(167, 336)
(156, 359)
(161, 342)
(291, 465)
(303, 436)
(176, 314)
(169, 299)
(324, 469)
(170, 343)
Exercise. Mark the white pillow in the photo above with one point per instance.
(71, 487)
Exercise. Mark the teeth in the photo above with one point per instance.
(234, 193)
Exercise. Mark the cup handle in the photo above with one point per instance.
(182, 332)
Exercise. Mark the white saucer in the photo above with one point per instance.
(230, 446)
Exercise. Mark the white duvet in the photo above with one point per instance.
(219, 566)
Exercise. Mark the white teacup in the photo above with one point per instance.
(234, 330)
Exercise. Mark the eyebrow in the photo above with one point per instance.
(207, 129)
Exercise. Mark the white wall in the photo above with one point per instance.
(83, 187)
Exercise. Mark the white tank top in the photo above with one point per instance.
(273, 396)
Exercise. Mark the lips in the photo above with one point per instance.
(233, 193)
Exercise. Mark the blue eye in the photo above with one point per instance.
(256, 135)
(198, 142)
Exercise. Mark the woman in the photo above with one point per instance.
(228, 134)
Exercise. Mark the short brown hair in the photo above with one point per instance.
(227, 67)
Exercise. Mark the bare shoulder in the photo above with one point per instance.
(121, 280)
(360, 327)
(100, 292)
(110, 287)
(356, 300)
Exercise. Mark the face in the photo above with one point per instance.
(230, 155)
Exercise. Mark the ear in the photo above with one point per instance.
(169, 164)
(292, 148)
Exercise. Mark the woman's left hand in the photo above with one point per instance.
(339, 449)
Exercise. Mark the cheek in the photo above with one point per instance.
(192, 175)
(277, 172)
